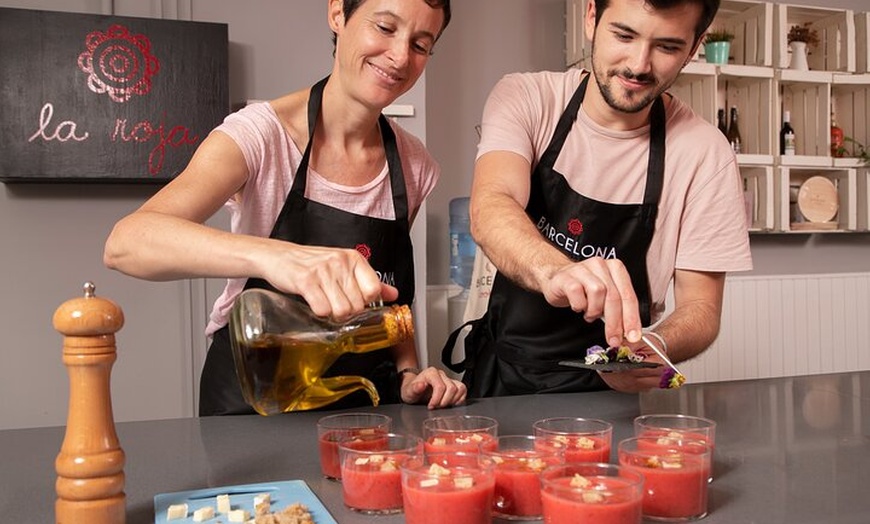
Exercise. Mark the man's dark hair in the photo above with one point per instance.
(708, 11)
(350, 6)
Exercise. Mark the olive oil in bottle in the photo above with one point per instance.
(282, 350)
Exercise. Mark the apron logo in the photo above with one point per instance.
(364, 250)
(569, 243)
(388, 277)
(575, 227)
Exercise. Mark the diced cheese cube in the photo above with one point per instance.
(376, 459)
(203, 514)
(463, 482)
(223, 504)
(477, 437)
(579, 481)
(176, 511)
(389, 465)
(361, 461)
(438, 470)
(592, 497)
(536, 464)
(428, 483)
(585, 443)
(238, 515)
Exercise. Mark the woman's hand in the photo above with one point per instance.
(432, 386)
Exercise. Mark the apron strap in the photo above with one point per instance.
(447, 350)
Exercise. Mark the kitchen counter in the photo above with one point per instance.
(788, 450)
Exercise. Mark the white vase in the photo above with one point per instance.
(799, 56)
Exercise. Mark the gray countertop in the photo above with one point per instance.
(789, 450)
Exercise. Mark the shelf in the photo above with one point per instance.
(752, 26)
(786, 186)
(836, 30)
(754, 98)
(809, 102)
(863, 200)
(850, 103)
(805, 161)
(862, 42)
(759, 197)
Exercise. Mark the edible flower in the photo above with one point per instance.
(599, 355)
(596, 355)
(671, 379)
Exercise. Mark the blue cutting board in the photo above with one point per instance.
(242, 496)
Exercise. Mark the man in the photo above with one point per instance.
(591, 192)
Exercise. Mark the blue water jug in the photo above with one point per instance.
(462, 246)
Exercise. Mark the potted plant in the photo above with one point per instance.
(799, 38)
(858, 150)
(717, 46)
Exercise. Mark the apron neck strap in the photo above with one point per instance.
(656, 165)
(391, 150)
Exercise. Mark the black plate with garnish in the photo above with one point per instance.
(609, 366)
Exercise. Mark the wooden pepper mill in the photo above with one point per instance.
(90, 465)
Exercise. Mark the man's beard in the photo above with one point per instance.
(631, 104)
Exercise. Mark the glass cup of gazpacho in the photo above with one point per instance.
(675, 475)
(675, 426)
(582, 439)
(588, 493)
(518, 461)
(333, 429)
(370, 478)
(451, 487)
(470, 433)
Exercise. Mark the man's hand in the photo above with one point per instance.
(600, 289)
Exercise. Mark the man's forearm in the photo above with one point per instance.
(688, 331)
(513, 243)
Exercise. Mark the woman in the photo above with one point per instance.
(314, 180)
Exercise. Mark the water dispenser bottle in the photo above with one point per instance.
(462, 246)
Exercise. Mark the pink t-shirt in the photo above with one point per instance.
(701, 223)
(272, 159)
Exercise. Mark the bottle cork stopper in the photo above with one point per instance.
(90, 465)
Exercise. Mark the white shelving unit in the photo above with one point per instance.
(757, 80)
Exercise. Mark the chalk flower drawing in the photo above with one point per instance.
(118, 63)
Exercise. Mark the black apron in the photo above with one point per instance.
(303, 221)
(516, 346)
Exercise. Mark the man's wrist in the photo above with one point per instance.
(409, 371)
(663, 345)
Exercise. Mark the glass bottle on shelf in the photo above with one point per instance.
(720, 117)
(786, 136)
(734, 133)
(837, 138)
(282, 350)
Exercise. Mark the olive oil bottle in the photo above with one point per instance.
(282, 350)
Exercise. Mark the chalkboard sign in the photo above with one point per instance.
(106, 98)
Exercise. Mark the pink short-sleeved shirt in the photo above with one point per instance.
(701, 224)
(272, 159)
